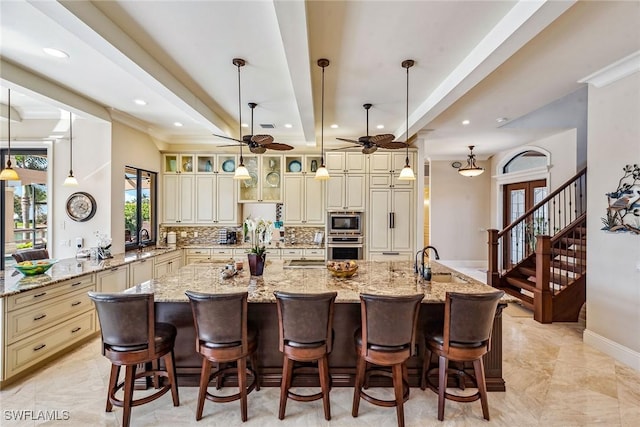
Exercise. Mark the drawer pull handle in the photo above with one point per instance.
(74, 330)
(76, 284)
(114, 269)
(40, 347)
(40, 317)
(73, 304)
(40, 295)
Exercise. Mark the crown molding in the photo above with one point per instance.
(614, 72)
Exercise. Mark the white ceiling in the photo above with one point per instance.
(475, 60)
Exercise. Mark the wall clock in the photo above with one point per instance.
(81, 206)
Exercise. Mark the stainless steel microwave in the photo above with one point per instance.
(345, 223)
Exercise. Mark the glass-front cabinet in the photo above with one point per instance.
(302, 164)
(265, 184)
(179, 163)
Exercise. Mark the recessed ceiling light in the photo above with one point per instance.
(334, 126)
(465, 122)
(288, 125)
(501, 119)
(177, 124)
(380, 126)
(244, 125)
(140, 101)
(55, 52)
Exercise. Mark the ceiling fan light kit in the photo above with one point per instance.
(241, 171)
(471, 169)
(322, 173)
(407, 173)
(8, 173)
(71, 180)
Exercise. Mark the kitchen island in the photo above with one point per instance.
(385, 278)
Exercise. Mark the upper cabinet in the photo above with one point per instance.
(179, 163)
(349, 162)
(265, 184)
(385, 168)
(301, 164)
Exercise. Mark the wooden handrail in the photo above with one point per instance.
(542, 202)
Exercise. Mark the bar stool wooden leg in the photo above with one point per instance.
(323, 365)
(443, 364)
(287, 372)
(242, 384)
(204, 382)
(478, 367)
(425, 369)
(170, 364)
(399, 392)
(113, 380)
(254, 365)
(129, 378)
(360, 372)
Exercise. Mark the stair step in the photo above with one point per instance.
(572, 253)
(521, 283)
(527, 301)
(574, 241)
(527, 271)
(563, 265)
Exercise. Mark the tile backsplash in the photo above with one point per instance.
(186, 235)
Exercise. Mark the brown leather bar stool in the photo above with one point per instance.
(305, 323)
(466, 337)
(131, 336)
(30, 254)
(386, 339)
(222, 336)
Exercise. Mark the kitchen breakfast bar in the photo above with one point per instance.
(382, 278)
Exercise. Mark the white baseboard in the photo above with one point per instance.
(619, 352)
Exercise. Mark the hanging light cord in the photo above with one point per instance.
(407, 116)
(9, 130)
(240, 117)
(70, 144)
(322, 124)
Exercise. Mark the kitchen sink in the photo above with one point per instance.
(441, 277)
(304, 263)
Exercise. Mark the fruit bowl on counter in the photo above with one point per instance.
(34, 267)
(342, 268)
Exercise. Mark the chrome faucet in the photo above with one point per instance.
(143, 234)
(425, 272)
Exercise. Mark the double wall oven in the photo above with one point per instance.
(345, 236)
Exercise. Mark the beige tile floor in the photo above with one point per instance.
(552, 378)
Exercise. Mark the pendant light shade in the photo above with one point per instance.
(241, 171)
(8, 174)
(471, 169)
(322, 173)
(71, 180)
(407, 173)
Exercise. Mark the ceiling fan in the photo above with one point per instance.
(258, 144)
(370, 143)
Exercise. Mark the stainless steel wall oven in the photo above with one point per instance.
(345, 239)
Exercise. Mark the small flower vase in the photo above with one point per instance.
(256, 264)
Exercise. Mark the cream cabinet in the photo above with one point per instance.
(304, 199)
(40, 323)
(346, 191)
(113, 280)
(179, 163)
(385, 168)
(192, 255)
(391, 223)
(265, 184)
(178, 198)
(167, 263)
(140, 271)
(216, 200)
(346, 162)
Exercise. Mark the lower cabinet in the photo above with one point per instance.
(167, 263)
(195, 255)
(140, 271)
(113, 280)
(43, 322)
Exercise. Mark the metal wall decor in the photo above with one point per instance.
(623, 211)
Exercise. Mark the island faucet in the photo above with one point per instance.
(425, 272)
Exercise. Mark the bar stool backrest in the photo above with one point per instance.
(469, 318)
(305, 318)
(220, 318)
(389, 321)
(126, 320)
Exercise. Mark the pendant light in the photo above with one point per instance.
(471, 169)
(71, 180)
(241, 171)
(407, 173)
(8, 174)
(322, 173)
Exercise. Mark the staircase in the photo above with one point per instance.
(541, 257)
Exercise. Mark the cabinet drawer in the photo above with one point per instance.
(291, 253)
(390, 256)
(170, 256)
(28, 352)
(38, 317)
(222, 253)
(198, 252)
(314, 253)
(380, 181)
(33, 296)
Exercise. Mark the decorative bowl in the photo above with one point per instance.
(37, 266)
(342, 269)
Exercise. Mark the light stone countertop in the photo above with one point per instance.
(382, 278)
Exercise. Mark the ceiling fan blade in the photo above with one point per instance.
(230, 145)
(341, 148)
(393, 145)
(277, 146)
(369, 149)
(383, 138)
(262, 139)
(258, 149)
(227, 137)
(350, 140)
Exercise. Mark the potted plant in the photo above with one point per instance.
(260, 233)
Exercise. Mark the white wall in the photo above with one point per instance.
(130, 147)
(613, 278)
(92, 169)
(460, 209)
